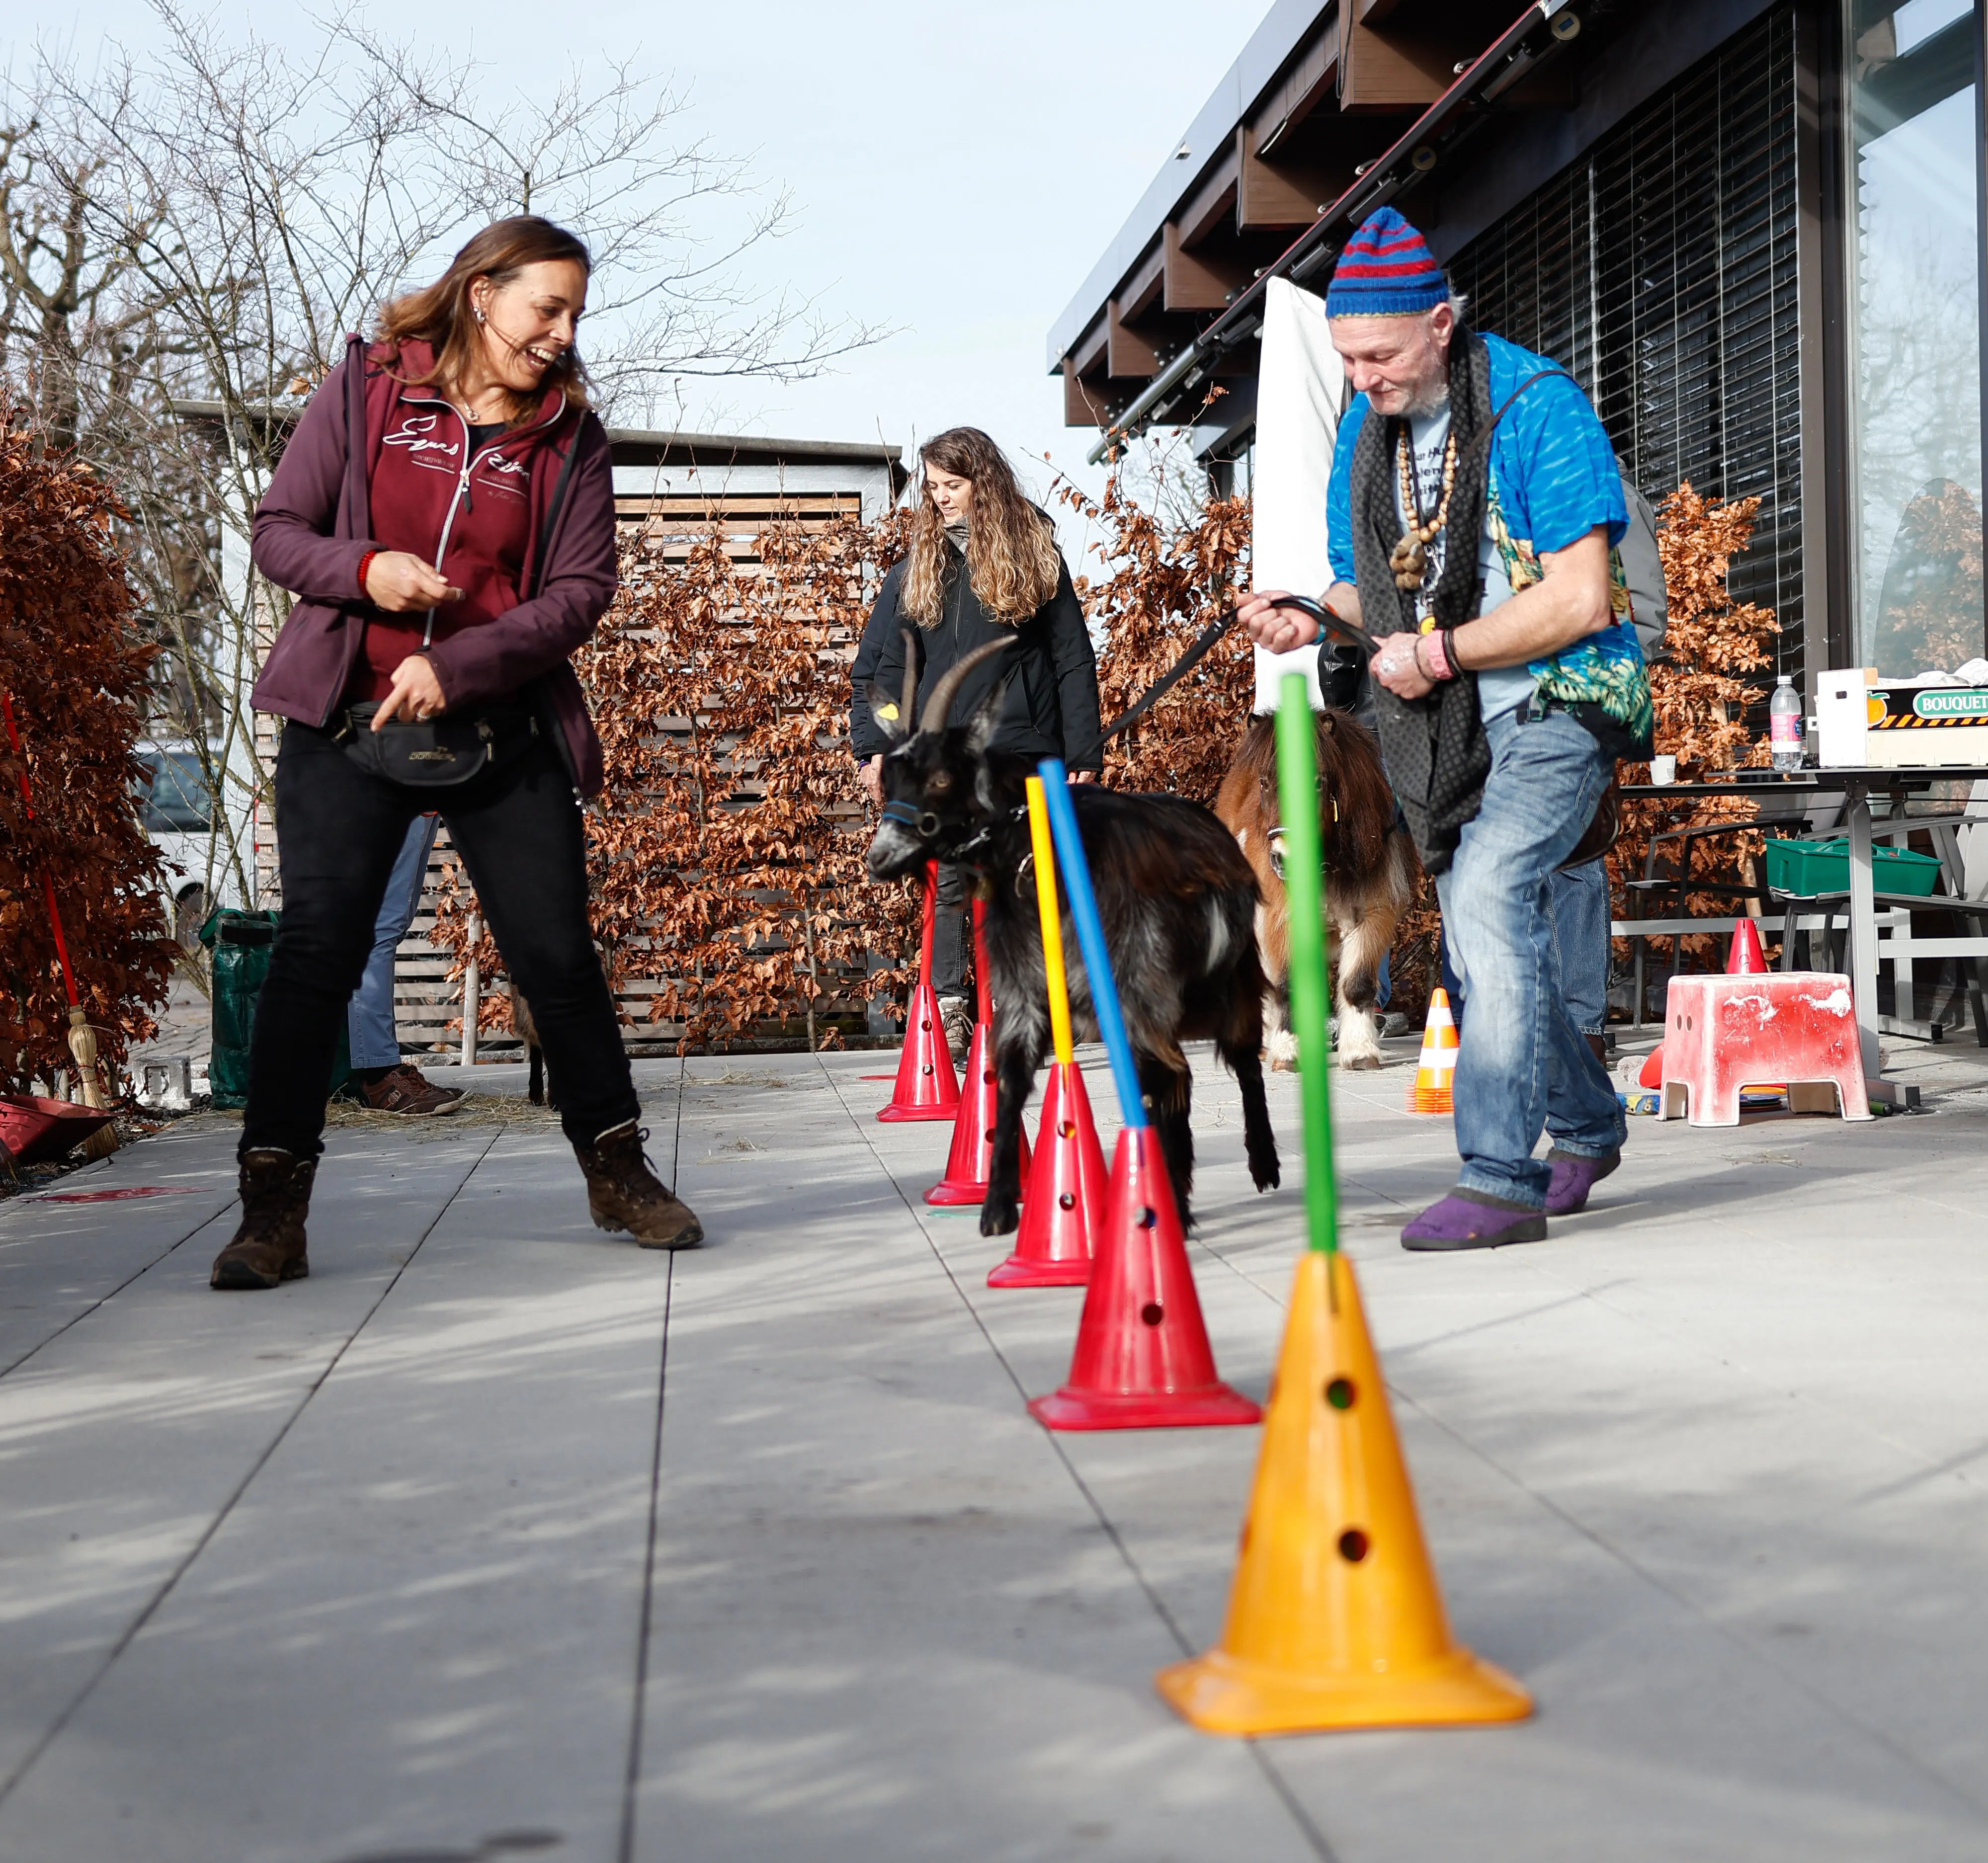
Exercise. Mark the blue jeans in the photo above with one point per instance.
(369, 1015)
(1522, 1067)
(1581, 942)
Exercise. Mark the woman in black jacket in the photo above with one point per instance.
(983, 563)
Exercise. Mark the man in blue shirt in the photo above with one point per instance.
(1472, 516)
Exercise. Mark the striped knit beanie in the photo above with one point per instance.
(1386, 271)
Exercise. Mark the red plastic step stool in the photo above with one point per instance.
(1722, 1033)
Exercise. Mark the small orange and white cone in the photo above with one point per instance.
(1431, 1092)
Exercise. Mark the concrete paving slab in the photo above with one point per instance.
(128, 1435)
(888, 1624)
(1705, 1469)
(416, 1632)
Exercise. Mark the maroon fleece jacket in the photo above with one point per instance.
(315, 524)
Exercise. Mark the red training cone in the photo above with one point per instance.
(1653, 1068)
(1142, 1360)
(1063, 1209)
(1744, 958)
(927, 1087)
(966, 1164)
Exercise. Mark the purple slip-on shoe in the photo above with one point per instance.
(1573, 1176)
(1463, 1222)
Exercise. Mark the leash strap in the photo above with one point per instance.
(1328, 619)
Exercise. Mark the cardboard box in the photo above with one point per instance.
(1907, 726)
(1841, 717)
(1864, 722)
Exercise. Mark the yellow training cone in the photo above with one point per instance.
(1437, 1068)
(1334, 1620)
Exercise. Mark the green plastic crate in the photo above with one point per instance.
(1803, 869)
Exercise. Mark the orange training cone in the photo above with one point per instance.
(1431, 1092)
(1064, 1207)
(1064, 1204)
(1744, 958)
(1142, 1360)
(1334, 1618)
(1653, 1074)
(966, 1165)
(927, 1087)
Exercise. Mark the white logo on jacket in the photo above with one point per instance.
(415, 435)
(497, 471)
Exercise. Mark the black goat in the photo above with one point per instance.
(1179, 904)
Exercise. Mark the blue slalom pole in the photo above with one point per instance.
(1090, 941)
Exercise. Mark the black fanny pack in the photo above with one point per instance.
(435, 753)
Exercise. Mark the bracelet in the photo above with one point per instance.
(365, 563)
(1449, 651)
(1438, 668)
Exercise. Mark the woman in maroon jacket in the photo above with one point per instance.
(444, 513)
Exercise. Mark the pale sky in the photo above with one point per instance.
(955, 171)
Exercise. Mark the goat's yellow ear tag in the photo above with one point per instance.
(887, 713)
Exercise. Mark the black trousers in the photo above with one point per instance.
(952, 931)
(338, 829)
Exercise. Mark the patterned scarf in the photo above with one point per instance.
(1436, 754)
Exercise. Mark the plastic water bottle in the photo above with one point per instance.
(1784, 725)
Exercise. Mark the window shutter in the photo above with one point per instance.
(1660, 269)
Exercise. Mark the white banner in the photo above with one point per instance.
(1298, 395)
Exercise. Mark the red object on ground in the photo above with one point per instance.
(32, 1129)
(1722, 1033)
(1063, 1209)
(1142, 1360)
(1653, 1068)
(116, 1196)
(966, 1165)
(1744, 958)
(927, 1087)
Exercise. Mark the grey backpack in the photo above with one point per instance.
(1643, 569)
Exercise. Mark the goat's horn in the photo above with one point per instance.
(911, 680)
(940, 704)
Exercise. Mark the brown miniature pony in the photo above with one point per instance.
(1370, 873)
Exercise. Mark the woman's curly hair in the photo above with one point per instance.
(1011, 561)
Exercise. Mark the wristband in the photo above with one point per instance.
(365, 563)
(1438, 666)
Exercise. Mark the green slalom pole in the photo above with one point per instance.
(1304, 894)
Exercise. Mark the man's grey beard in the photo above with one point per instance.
(1433, 399)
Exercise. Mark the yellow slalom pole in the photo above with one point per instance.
(1051, 912)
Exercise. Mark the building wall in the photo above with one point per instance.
(1661, 270)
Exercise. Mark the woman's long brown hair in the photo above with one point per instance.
(1011, 554)
(442, 316)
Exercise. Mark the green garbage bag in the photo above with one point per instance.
(240, 943)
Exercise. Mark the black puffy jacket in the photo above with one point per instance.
(1051, 709)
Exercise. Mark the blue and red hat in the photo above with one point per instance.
(1386, 271)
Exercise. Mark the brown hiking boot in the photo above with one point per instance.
(955, 1018)
(404, 1091)
(269, 1246)
(624, 1193)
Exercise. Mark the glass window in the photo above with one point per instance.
(175, 800)
(1916, 306)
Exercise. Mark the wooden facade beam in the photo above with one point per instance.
(1083, 402)
(1197, 281)
(1129, 357)
(1213, 201)
(1306, 84)
(1144, 285)
(1275, 197)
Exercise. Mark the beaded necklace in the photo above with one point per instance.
(1408, 560)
